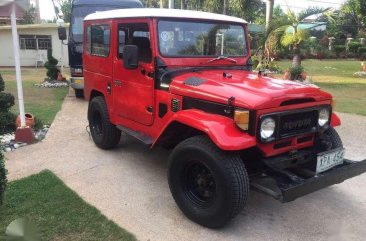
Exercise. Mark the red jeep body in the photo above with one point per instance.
(164, 100)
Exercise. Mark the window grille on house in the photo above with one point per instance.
(35, 42)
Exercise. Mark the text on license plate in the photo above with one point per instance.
(327, 160)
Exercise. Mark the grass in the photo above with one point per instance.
(336, 77)
(57, 211)
(42, 102)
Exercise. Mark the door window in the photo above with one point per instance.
(100, 40)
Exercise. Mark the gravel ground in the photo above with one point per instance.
(129, 186)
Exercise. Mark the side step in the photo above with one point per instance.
(147, 140)
(287, 190)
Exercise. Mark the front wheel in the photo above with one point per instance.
(105, 135)
(209, 185)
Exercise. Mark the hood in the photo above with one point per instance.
(250, 90)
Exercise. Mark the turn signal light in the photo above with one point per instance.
(241, 118)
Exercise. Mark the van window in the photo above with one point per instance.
(88, 39)
(100, 40)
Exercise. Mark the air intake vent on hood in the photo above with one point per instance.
(194, 81)
(297, 101)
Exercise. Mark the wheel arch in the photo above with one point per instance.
(221, 130)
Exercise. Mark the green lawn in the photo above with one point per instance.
(42, 102)
(336, 77)
(57, 211)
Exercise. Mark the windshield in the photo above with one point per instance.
(78, 15)
(201, 39)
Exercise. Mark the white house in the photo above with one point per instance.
(34, 40)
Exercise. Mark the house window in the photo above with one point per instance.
(35, 42)
(100, 40)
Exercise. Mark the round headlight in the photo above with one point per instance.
(323, 117)
(267, 127)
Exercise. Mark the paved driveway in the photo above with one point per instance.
(129, 186)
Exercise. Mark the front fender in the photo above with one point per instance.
(221, 130)
(335, 120)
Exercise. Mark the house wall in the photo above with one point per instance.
(28, 57)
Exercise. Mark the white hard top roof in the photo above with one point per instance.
(161, 12)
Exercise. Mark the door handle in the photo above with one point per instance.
(117, 83)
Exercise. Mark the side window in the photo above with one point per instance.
(135, 34)
(100, 40)
(88, 39)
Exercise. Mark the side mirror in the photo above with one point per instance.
(62, 33)
(130, 56)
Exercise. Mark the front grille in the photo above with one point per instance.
(297, 123)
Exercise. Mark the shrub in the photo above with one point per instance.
(353, 47)
(3, 179)
(6, 101)
(2, 84)
(338, 49)
(38, 124)
(362, 53)
(51, 65)
(7, 122)
(295, 72)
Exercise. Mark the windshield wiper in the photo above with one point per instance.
(221, 57)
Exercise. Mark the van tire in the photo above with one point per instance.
(209, 185)
(79, 93)
(105, 135)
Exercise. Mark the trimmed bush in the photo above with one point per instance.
(295, 72)
(7, 122)
(2, 84)
(353, 47)
(362, 53)
(3, 179)
(338, 49)
(51, 65)
(6, 101)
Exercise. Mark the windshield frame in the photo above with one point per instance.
(246, 47)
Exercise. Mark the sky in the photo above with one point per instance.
(47, 12)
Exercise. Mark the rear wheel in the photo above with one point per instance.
(79, 93)
(209, 185)
(105, 134)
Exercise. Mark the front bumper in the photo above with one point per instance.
(77, 83)
(289, 188)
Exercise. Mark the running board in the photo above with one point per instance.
(147, 140)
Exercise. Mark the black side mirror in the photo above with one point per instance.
(62, 33)
(130, 56)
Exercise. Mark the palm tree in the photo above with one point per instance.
(279, 32)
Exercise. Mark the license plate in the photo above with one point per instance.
(329, 159)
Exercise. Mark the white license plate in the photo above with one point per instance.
(329, 159)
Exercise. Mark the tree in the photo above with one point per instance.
(29, 16)
(285, 31)
(356, 10)
(65, 7)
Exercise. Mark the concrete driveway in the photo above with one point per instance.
(129, 186)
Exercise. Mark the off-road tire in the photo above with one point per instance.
(79, 93)
(227, 170)
(329, 140)
(105, 135)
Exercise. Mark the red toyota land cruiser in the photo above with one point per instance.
(182, 80)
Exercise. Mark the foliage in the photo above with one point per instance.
(38, 124)
(338, 49)
(362, 53)
(7, 119)
(2, 83)
(353, 46)
(29, 16)
(295, 72)
(57, 211)
(65, 6)
(6, 101)
(3, 179)
(51, 65)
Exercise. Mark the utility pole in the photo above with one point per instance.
(269, 13)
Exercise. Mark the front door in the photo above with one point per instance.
(133, 90)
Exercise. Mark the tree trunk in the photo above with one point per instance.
(269, 13)
(296, 61)
(225, 7)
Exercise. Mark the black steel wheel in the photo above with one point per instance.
(105, 135)
(79, 93)
(209, 185)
